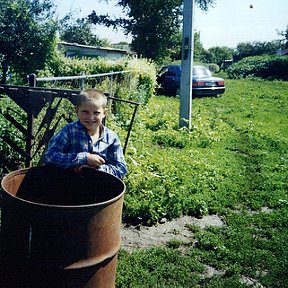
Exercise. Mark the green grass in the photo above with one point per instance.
(233, 157)
(233, 162)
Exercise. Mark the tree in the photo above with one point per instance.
(175, 49)
(27, 35)
(199, 50)
(246, 49)
(80, 32)
(285, 35)
(152, 24)
(218, 54)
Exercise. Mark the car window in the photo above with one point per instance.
(163, 71)
(201, 71)
(177, 71)
(171, 72)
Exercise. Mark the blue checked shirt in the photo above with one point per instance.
(70, 146)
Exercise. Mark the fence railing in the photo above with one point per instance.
(83, 77)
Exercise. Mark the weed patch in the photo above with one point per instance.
(233, 162)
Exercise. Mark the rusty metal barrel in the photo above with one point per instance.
(60, 228)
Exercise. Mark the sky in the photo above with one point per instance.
(227, 23)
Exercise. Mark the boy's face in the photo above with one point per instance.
(91, 114)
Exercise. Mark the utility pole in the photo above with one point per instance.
(187, 64)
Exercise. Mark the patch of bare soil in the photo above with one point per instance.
(143, 237)
(134, 237)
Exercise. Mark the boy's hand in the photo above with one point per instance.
(95, 160)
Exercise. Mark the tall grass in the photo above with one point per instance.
(233, 162)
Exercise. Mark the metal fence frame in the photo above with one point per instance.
(32, 99)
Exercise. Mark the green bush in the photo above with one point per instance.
(214, 68)
(138, 85)
(10, 159)
(266, 67)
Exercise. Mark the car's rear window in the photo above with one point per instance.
(201, 72)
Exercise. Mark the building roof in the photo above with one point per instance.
(75, 49)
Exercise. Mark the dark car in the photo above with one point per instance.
(203, 83)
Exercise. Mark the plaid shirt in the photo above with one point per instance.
(70, 146)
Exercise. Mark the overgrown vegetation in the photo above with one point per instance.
(177, 171)
(233, 163)
(137, 85)
(267, 67)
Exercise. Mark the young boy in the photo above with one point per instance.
(87, 141)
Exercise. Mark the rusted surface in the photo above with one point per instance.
(59, 228)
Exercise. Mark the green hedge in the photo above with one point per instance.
(266, 67)
(138, 85)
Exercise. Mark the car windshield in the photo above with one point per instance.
(201, 71)
(163, 70)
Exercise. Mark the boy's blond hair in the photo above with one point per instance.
(92, 94)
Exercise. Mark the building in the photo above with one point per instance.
(226, 63)
(79, 50)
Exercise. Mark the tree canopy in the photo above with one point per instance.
(218, 54)
(285, 34)
(27, 34)
(80, 31)
(245, 49)
(152, 24)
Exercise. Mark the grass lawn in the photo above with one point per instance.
(233, 162)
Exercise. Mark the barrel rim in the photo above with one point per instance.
(92, 205)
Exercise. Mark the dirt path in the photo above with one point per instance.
(145, 237)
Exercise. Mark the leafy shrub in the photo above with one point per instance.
(213, 67)
(10, 159)
(267, 67)
(170, 138)
(138, 85)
